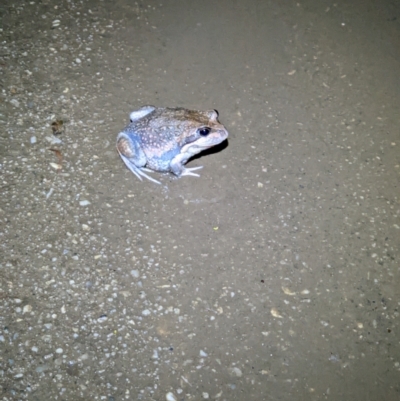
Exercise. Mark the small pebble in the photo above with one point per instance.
(135, 273)
(146, 312)
(42, 368)
(170, 397)
(33, 139)
(56, 166)
(236, 372)
(53, 140)
(49, 193)
(84, 202)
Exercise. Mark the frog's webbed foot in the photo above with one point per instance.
(188, 171)
(133, 157)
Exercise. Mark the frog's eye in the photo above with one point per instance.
(204, 131)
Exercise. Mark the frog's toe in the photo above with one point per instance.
(188, 171)
(147, 170)
(147, 176)
(138, 171)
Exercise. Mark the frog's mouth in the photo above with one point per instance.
(211, 140)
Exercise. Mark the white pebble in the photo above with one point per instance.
(203, 354)
(78, 60)
(18, 376)
(14, 102)
(53, 140)
(49, 193)
(59, 350)
(236, 372)
(170, 397)
(84, 202)
(206, 396)
(56, 166)
(135, 273)
(33, 139)
(146, 312)
(35, 349)
(42, 368)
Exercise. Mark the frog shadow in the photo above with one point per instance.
(215, 149)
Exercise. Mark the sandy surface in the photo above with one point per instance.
(275, 275)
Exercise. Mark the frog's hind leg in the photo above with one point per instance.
(138, 171)
(133, 156)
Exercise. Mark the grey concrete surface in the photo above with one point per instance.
(273, 276)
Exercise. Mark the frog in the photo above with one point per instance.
(163, 139)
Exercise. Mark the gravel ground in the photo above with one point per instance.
(273, 276)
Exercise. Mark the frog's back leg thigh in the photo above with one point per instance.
(133, 156)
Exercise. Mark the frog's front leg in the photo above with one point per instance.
(132, 154)
(178, 168)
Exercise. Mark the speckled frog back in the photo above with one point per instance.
(165, 125)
